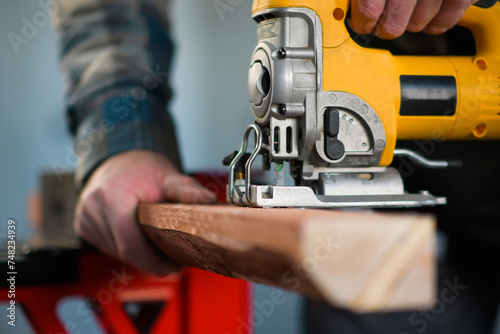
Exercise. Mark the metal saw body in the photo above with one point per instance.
(334, 109)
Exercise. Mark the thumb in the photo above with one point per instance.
(185, 189)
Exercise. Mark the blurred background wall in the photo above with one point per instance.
(210, 108)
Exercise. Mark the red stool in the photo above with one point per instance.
(195, 301)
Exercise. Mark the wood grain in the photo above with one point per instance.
(361, 260)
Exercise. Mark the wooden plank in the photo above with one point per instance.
(361, 260)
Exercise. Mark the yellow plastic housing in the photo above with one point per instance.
(374, 75)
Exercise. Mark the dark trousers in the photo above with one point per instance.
(463, 306)
(469, 276)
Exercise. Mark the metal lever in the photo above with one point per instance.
(248, 165)
(420, 159)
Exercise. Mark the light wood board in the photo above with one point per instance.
(361, 260)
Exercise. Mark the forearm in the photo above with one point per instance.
(116, 72)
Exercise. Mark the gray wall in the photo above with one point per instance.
(210, 108)
(210, 77)
(32, 131)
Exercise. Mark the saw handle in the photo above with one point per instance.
(485, 3)
(482, 19)
(484, 23)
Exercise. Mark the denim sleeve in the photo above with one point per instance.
(115, 55)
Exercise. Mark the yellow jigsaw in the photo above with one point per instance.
(334, 109)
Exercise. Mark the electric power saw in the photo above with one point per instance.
(334, 109)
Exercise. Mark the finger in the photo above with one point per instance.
(91, 226)
(90, 216)
(136, 250)
(132, 245)
(365, 15)
(184, 189)
(424, 12)
(448, 16)
(395, 18)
